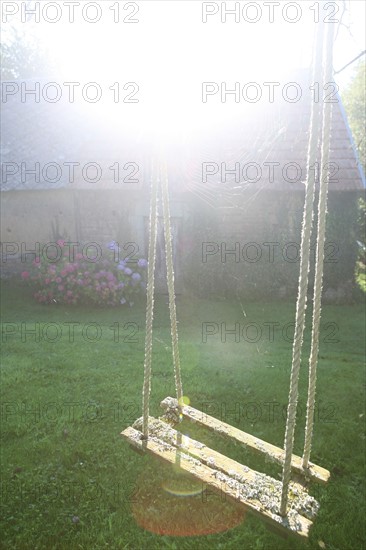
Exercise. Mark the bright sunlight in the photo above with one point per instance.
(170, 54)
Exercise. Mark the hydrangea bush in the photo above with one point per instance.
(77, 279)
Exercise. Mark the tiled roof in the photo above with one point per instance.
(61, 133)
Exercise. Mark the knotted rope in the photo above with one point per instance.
(318, 283)
(149, 305)
(170, 281)
(303, 276)
(161, 179)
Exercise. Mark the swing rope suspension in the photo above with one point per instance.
(318, 283)
(150, 304)
(161, 179)
(325, 76)
(219, 472)
(303, 277)
(171, 291)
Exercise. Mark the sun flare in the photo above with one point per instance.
(168, 56)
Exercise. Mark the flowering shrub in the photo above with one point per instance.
(75, 280)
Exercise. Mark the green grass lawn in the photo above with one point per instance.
(70, 481)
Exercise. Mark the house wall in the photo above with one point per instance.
(254, 251)
(249, 251)
(31, 220)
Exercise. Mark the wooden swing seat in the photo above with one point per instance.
(257, 492)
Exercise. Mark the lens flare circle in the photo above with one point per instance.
(170, 502)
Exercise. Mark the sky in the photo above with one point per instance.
(169, 51)
(350, 41)
(170, 35)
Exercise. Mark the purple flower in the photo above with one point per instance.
(128, 271)
(113, 246)
(142, 263)
(136, 276)
(123, 301)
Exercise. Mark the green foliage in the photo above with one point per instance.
(23, 56)
(354, 99)
(361, 260)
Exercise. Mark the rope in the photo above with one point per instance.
(303, 280)
(318, 284)
(170, 281)
(163, 180)
(149, 307)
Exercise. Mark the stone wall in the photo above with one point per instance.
(250, 249)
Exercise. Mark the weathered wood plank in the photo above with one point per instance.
(255, 482)
(293, 522)
(314, 472)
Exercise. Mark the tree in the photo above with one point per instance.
(23, 56)
(354, 99)
(361, 260)
(354, 96)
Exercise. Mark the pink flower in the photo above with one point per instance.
(60, 287)
(58, 279)
(47, 281)
(25, 275)
(61, 242)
